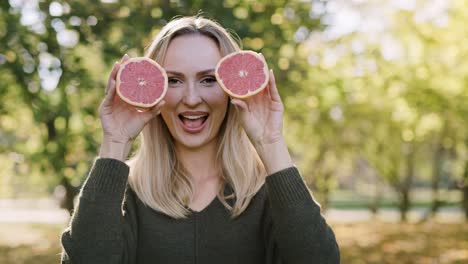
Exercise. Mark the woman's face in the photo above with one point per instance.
(195, 104)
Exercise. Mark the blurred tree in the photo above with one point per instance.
(394, 91)
(396, 98)
(464, 187)
(56, 55)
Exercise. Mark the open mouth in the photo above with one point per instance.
(193, 122)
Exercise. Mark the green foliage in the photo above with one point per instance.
(56, 56)
(343, 104)
(359, 103)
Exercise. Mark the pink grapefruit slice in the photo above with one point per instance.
(242, 74)
(141, 82)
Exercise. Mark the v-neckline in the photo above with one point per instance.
(227, 190)
(205, 208)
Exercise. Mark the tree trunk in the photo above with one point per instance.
(70, 193)
(404, 205)
(437, 169)
(326, 190)
(375, 204)
(405, 202)
(465, 190)
(58, 162)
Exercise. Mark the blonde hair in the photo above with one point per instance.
(156, 174)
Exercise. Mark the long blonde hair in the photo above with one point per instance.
(156, 174)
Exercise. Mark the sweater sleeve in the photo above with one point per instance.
(102, 228)
(295, 230)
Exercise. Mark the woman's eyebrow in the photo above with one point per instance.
(205, 72)
(198, 73)
(175, 73)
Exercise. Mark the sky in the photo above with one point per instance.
(372, 21)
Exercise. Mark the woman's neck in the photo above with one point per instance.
(201, 163)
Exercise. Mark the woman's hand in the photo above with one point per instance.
(121, 122)
(262, 114)
(262, 119)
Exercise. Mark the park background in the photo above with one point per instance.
(376, 112)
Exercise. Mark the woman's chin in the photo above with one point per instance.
(192, 141)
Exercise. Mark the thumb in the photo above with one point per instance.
(156, 110)
(240, 105)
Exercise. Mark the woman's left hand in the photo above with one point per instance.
(262, 119)
(262, 115)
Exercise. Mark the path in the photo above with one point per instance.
(46, 211)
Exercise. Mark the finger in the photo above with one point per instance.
(156, 110)
(111, 82)
(267, 89)
(240, 104)
(273, 89)
(109, 98)
(116, 67)
(111, 90)
(125, 58)
(112, 76)
(115, 70)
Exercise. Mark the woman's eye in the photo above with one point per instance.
(173, 81)
(209, 80)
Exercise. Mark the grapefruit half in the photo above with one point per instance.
(141, 82)
(242, 74)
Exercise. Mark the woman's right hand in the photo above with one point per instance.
(121, 122)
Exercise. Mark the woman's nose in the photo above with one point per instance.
(191, 95)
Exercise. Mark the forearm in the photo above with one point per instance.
(275, 156)
(95, 230)
(300, 230)
(115, 150)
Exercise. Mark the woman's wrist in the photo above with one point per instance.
(275, 156)
(113, 149)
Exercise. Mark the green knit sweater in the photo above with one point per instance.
(282, 224)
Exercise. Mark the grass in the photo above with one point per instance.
(428, 243)
(29, 243)
(368, 242)
(420, 198)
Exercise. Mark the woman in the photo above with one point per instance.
(212, 180)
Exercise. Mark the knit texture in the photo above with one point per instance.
(282, 224)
